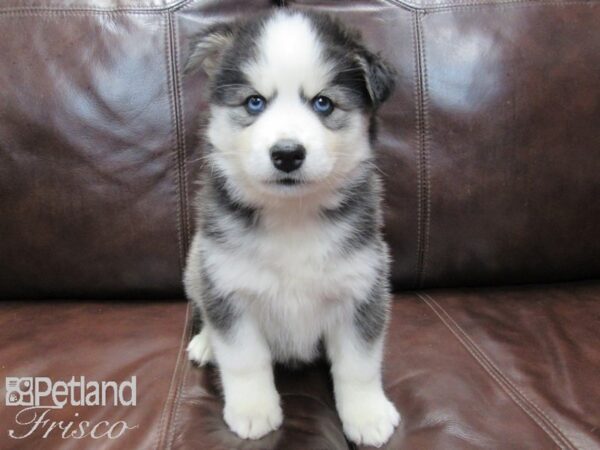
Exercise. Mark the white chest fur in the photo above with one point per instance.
(292, 277)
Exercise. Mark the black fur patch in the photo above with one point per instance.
(220, 210)
(243, 212)
(229, 86)
(196, 318)
(359, 71)
(360, 210)
(370, 316)
(218, 309)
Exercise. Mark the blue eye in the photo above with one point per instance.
(322, 105)
(255, 104)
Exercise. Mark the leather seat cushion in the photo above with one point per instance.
(512, 367)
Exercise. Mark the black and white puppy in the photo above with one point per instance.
(289, 252)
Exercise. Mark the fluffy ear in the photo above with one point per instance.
(207, 49)
(379, 77)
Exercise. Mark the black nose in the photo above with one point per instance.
(287, 155)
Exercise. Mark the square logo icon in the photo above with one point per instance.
(19, 391)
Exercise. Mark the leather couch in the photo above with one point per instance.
(490, 148)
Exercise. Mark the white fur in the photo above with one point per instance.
(251, 401)
(292, 283)
(291, 56)
(367, 415)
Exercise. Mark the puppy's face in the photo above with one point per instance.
(292, 98)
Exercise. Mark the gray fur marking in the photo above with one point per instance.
(361, 210)
(371, 316)
(218, 308)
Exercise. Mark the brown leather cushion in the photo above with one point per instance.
(101, 341)
(489, 145)
(474, 368)
(496, 368)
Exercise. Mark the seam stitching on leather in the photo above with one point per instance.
(182, 5)
(541, 418)
(510, 5)
(78, 12)
(433, 7)
(177, 407)
(166, 412)
(136, 9)
(425, 154)
(185, 370)
(172, 396)
(416, 52)
(175, 139)
(423, 183)
(181, 134)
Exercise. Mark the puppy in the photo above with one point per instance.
(289, 252)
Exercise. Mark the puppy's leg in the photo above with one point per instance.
(199, 348)
(356, 352)
(232, 339)
(251, 401)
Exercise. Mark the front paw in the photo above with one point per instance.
(368, 419)
(253, 418)
(199, 349)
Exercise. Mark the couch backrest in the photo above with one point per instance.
(490, 145)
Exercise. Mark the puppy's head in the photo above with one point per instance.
(292, 97)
